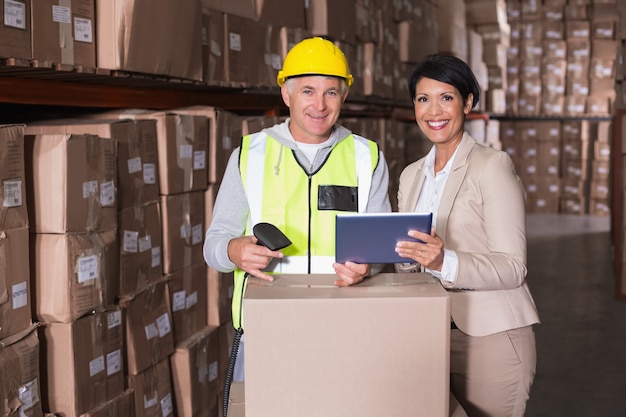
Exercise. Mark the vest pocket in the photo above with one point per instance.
(337, 197)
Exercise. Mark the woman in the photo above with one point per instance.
(477, 248)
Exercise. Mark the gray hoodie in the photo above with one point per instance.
(230, 212)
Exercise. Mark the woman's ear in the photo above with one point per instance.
(469, 103)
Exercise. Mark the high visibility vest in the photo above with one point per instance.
(303, 206)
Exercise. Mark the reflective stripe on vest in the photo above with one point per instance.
(271, 173)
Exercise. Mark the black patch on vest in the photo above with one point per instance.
(337, 197)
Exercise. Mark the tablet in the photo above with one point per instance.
(371, 237)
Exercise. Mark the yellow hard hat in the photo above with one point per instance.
(315, 56)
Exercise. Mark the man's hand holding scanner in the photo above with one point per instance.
(250, 257)
(428, 252)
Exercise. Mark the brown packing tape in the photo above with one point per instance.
(184, 148)
(188, 227)
(92, 155)
(66, 37)
(98, 348)
(98, 250)
(4, 291)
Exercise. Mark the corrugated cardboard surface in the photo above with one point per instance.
(19, 366)
(71, 183)
(74, 273)
(195, 369)
(15, 34)
(136, 153)
(377, 349)
(153, 393)
(121, 406)
(237, 400)
(150, 36)
(140, 247)
(187, 295)
(64, 32)
(149, 335)
(13, 212)
(183, 230)
(83, 363)
(15, 287)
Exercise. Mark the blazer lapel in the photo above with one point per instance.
(453, 184)
(414, 190)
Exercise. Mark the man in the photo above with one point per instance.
(297, 175)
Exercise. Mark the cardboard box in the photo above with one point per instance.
(195, 370)
(153, 394)
(141, 247)
(141, 36)
(149, 337)
(244, 49)
(136, 153)
(328, 18)
(83, 365)
(15, 287)
(213, 47)
(187, 295)
(299, 328)
(241, 8)
(225, 133)
(15, 33)
(64, 32)
(73, 274)
(19, 366)
(71, 183)
(182, 147)
(13, 212)
(220, 298)
(183, 230)
(120, 406)
(237, 400)
(275, 12)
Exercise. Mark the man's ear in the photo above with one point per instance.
(285, 94)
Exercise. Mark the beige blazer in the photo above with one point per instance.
(482, 218)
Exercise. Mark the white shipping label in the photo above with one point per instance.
(156, 257)
(130, 241)
(134, 165)
(151, 331)
(163, 323)
(83, 30)
(185, 231)
(167, 405)
(61, 14)
(114, 319)
(20, 295)
(178, 301)
(227, 142)
(196, 234)
(87, 268)
(15, 14)
(12, 193)
(107, 194)
(96, 366)
(234, 41)
(145, 243)
(216, 48)
(149, 174)
(192, 300)
(150, 401)
(185, 151)
(114, 362)
(89, 187)
(213, 371)
(199, 160)
(28, 395)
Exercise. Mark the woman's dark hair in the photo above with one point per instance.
(446, 69)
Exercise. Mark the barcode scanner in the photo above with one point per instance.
(272, 238)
